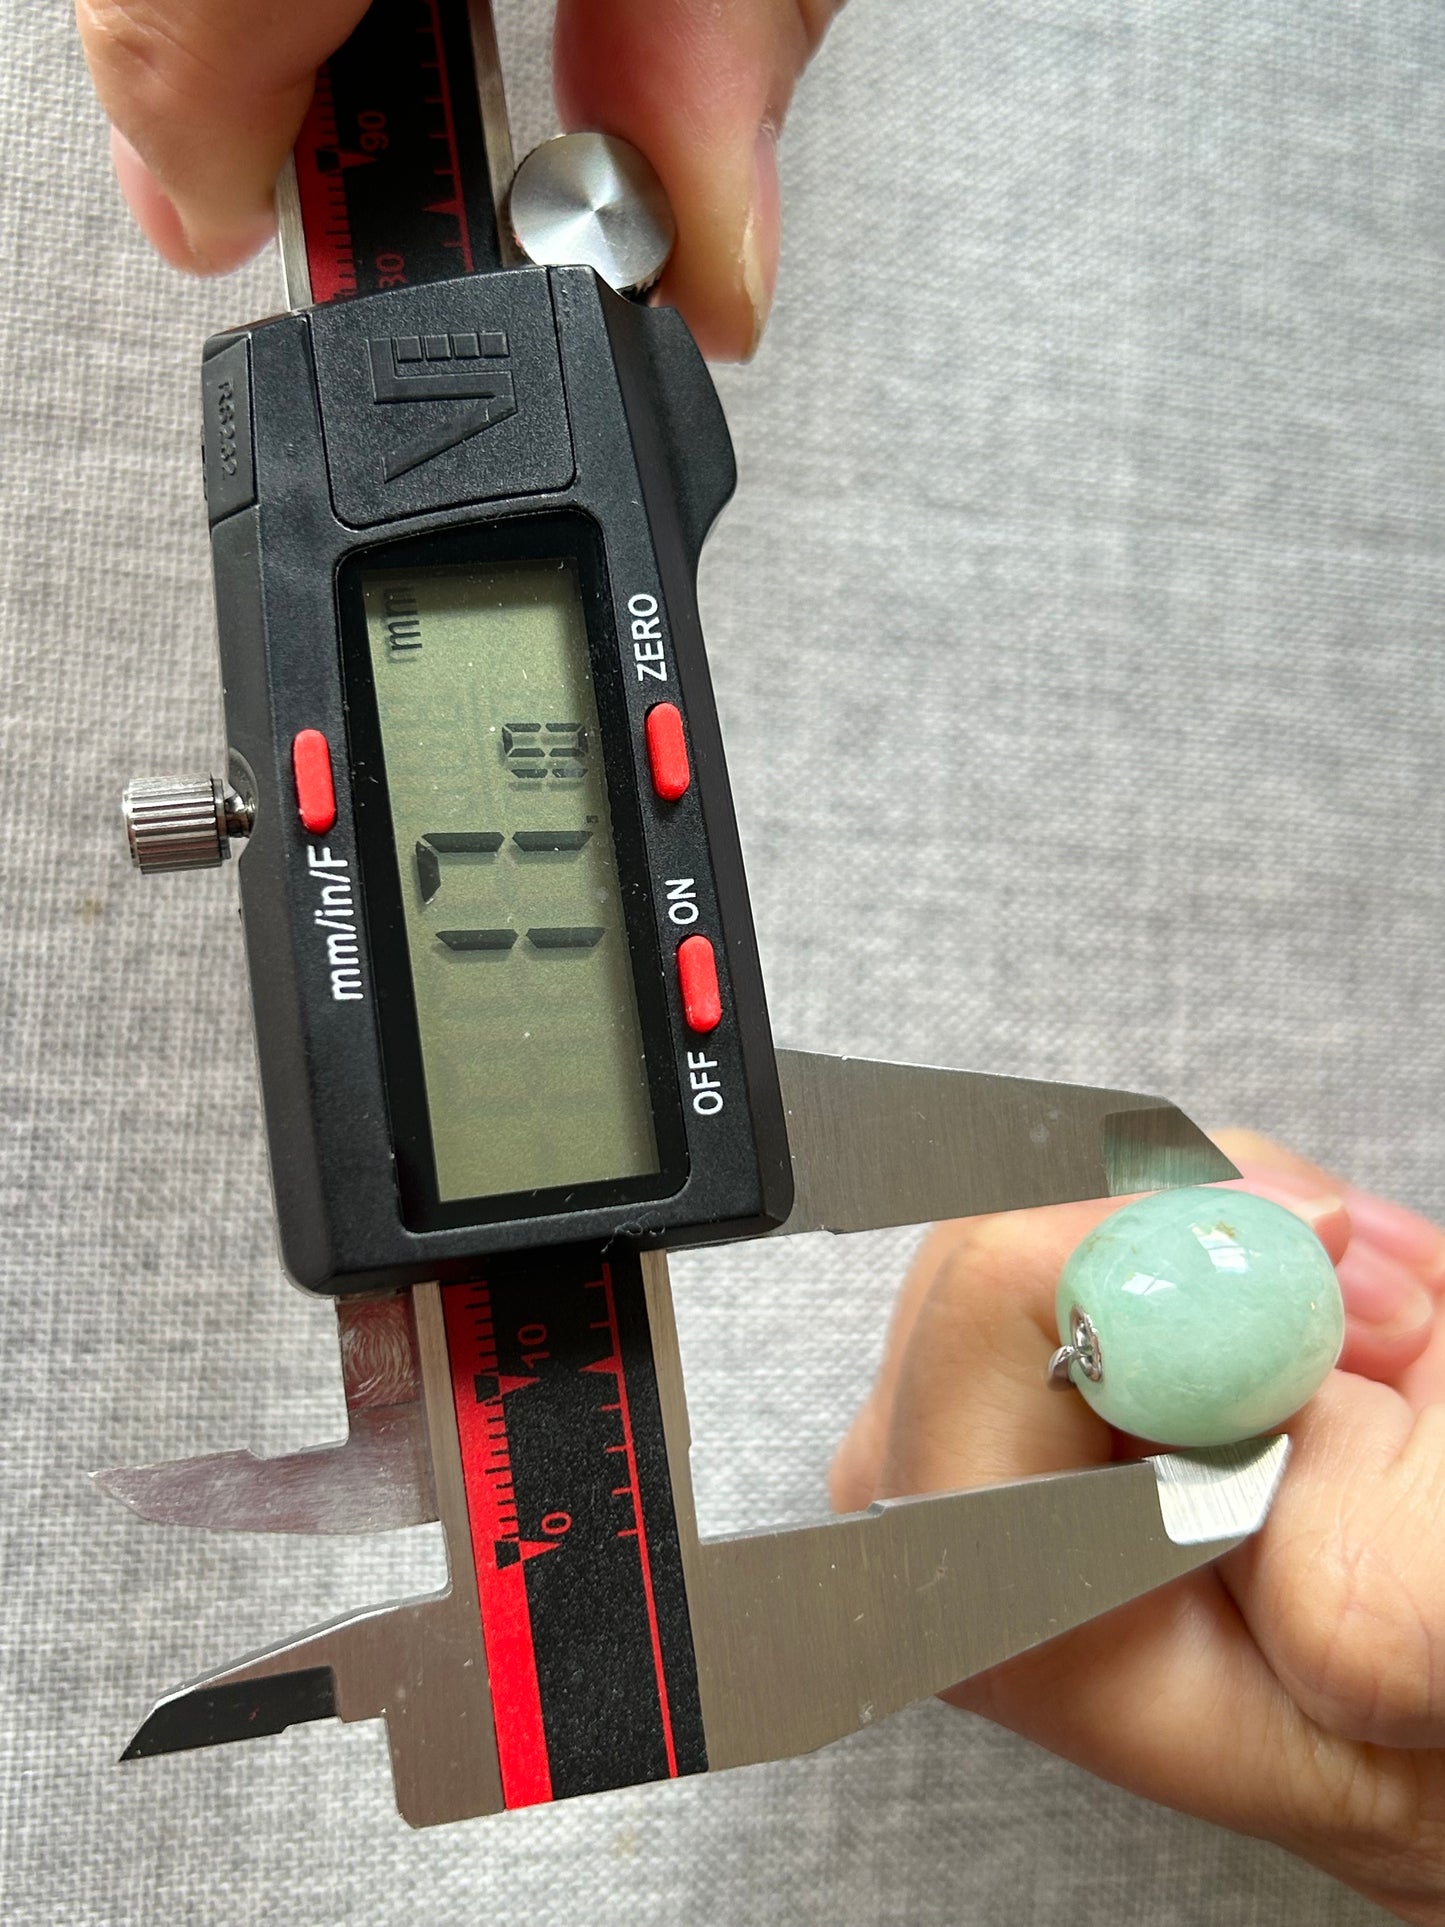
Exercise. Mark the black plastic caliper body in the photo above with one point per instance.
(506, 988)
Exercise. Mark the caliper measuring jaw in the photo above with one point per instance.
(796, 1638)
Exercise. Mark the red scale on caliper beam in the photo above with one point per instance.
(587, 1656)
(385, 154)
(511, 1028)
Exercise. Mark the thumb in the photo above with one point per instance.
(702, 90)
(206, 103)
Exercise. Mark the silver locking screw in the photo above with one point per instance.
(182, 822)
(592, 200)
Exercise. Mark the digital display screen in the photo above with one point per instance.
(526, 1007)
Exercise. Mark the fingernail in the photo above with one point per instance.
(155, 213)
(1383, 1293)
(853, 1473)
(164, 226)
(1282, 1184)
(1307, 1201)
(1399, 1233)
(762, 233)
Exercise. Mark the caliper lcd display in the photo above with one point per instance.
(526, 1007)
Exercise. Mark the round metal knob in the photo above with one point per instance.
(182, 822)
(594, 201)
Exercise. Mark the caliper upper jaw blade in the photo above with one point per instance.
(420, 1665)
(377, 1479)
(876, 1144)
(802, 1637)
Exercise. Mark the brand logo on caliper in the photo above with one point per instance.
(452, 367)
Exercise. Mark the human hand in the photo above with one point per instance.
(206, 98)
(1292, 1691)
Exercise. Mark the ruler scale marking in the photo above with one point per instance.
(639, 1526)
(579, 1577)
(366, 168)
(496, 1548)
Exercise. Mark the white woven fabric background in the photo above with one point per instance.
(1077, 631)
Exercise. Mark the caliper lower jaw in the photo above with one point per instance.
(420, 1665)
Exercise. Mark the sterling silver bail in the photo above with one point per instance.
(1082, 1350)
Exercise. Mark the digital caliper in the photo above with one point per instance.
(509, 1012)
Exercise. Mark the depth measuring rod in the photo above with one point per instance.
(509, 1012)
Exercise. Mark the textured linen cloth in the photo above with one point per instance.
(1076, 631)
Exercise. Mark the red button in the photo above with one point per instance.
(697, 975)
(667, 752)
(315, 791)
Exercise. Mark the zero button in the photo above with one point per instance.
(667, 752)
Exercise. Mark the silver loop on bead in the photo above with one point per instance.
(1082, 1350)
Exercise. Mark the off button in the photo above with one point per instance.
(697, 979)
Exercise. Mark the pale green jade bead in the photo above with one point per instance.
(1217, 1315)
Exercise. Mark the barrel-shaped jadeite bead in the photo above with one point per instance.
(1216, 1316)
